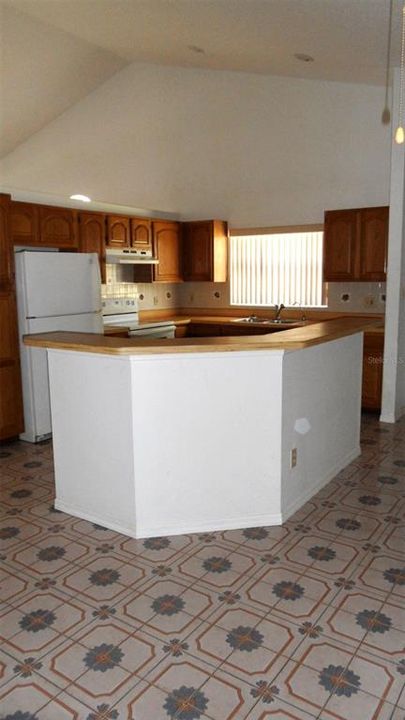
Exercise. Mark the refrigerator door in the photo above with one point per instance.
(58, 283)
(34, 366)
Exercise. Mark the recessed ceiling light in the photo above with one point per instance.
(196, 49)
(83, 198)
(303, 57)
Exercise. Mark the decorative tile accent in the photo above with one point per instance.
(39, 622)
(217, 567)
(300, 622)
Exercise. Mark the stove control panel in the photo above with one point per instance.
(116, 305)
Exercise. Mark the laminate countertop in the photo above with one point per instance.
(296, 338)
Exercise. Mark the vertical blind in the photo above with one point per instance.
(276, 268)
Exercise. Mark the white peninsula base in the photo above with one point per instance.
(162, 444)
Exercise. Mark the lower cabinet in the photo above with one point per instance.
(235, 329)
(11, 410)
(373, 354)
(181, 331)
(196, 329)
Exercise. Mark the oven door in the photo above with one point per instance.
(165, 331)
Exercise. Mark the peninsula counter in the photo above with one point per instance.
(157, 437)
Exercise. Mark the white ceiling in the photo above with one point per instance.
(54, 52)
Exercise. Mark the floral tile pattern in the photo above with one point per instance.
(296, 622)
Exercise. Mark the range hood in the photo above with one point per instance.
(130, 256)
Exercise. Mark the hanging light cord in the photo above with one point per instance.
(386, 115)
(401, 76)
(400, 135)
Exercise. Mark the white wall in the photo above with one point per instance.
(251, 149)
(393, 396)
(321, 411)
(200, 441)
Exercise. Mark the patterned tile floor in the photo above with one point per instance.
(287, 623)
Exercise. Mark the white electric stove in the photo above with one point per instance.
(124, 312)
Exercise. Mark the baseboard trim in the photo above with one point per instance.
(153, 531)
(298, 503)
(94, 518)
(388, 418)
(392, 417)
(214, 526)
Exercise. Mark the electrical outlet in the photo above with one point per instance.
(293, 459)
(369, 300)
(155, 300)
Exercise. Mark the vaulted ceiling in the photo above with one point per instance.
(55, 52)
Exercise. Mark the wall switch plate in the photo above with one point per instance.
(293, 458)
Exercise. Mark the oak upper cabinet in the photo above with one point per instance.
(24, 223)
(205, 249)
(167, 248)
(355, 244)
(118, 231)
(11, 409)
(373, 353)
(340, 232)
(373, 243)
(58, 227)
(40, 225)
(92, 236)
(141, 233)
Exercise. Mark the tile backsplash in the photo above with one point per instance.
(204, 294)
(118, 282)
(359, 297)
(151, 296)
(341, 297)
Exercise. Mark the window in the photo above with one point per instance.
(269, 268)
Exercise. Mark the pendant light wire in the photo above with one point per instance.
(399, 135)
(386, 115)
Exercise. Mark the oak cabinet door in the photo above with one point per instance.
(118, 231)
(198, 251)
(11, 409)
(167, 247)
(373, 354)
(340, 245)
(355, 244)
(141, 233)
(92, 237)
(205, 251)
(373, 244)
(23, 223)
(6, 273)
(58, 227)
(196, 329)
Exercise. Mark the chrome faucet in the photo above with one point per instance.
(278, 309)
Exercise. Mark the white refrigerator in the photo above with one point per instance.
(55, 291)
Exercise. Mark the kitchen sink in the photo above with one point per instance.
(268, 321)
(283, 321)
